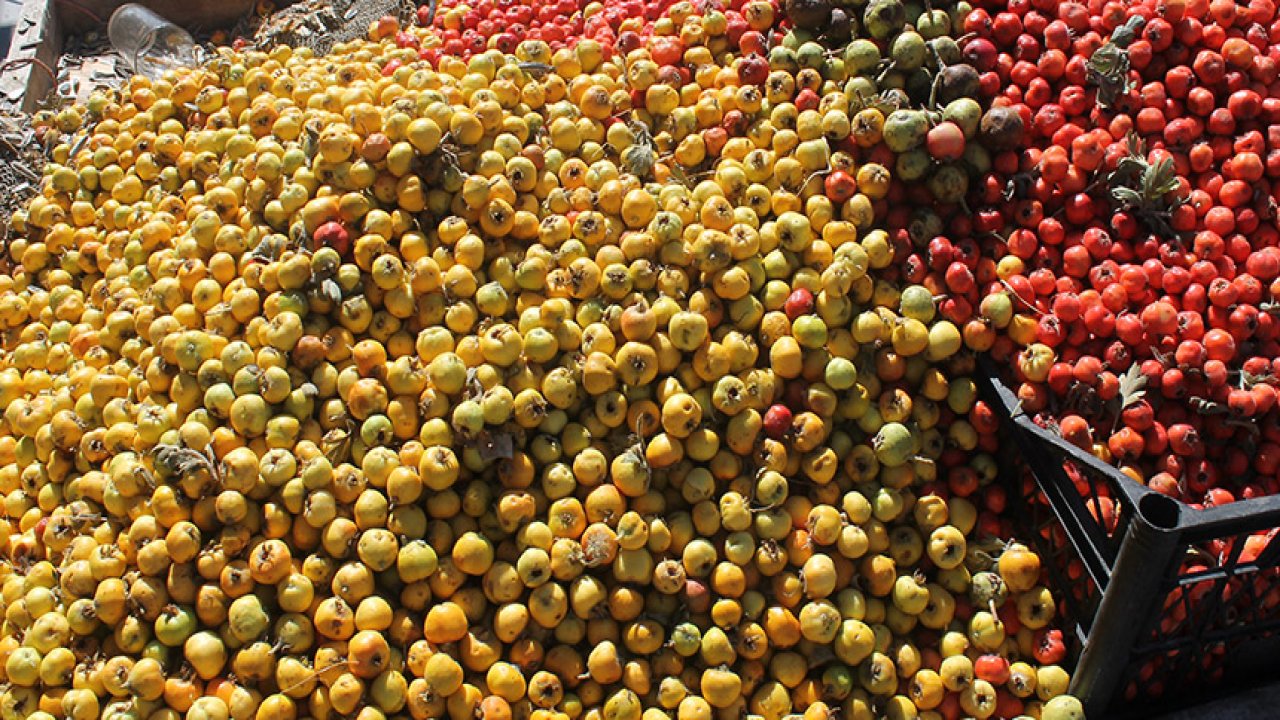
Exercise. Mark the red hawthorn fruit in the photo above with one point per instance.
(799, 302)
(753, 70)
(1126, 444)
(840, 186)
(945, 142)
(1139, 416)
(1049, 647)
(807, 99)
(1184, 440)
(334, 235)
(777, 421)
(1165, 484)
(1087, 369)
(1075, 430)
(1108, 385)
(1218, 496)
(1242, 403)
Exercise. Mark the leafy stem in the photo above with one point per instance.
(1146, 189)
(1108, 68)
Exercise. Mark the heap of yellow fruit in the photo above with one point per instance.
(329, 392)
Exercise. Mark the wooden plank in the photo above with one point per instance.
(37, 38)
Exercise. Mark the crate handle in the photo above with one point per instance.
(1147, 554)
(1160, 511)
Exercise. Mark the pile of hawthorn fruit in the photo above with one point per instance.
(616, 360)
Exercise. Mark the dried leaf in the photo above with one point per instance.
(331, 290)
(1131, 386)
(1108, 69)
(180, 460)
(495, 446)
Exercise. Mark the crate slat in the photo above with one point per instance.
(1150, 626)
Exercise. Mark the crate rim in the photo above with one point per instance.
(1250, 515)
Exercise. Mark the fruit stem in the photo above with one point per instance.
(937, 79)
(1020, 299)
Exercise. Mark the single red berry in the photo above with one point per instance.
(799, 302)
(777, 421)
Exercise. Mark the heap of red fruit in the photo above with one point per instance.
(1136, 231)
(466, 29)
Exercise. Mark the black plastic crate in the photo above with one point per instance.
(1159, 603)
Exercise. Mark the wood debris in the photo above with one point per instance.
(321, 24)
(22, 159)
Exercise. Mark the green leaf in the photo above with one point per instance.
(1155, 188)
(1137, 146)
(1104, 62)
(1135, 163)
(1131, 166)
(1162, 173)
(1124, 35)
(1127, 195)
